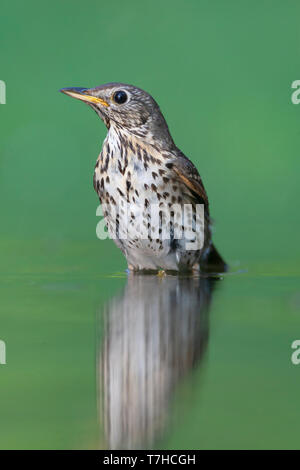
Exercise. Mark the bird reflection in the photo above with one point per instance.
(155, 332)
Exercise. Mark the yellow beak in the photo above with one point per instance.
(82, 94)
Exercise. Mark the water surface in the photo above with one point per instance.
(118, 361)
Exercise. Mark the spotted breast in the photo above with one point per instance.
(145, 205)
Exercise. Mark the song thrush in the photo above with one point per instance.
(141, 168)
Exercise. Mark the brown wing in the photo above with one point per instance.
(188, 174)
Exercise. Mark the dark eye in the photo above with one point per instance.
(120, 97)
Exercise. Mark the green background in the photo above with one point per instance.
(222, 73)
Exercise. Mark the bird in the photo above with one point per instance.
(149, 190)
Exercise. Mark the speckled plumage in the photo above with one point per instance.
(139, 168)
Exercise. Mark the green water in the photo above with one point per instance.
(223, 377)
(206, 366)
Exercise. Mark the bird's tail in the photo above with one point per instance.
(214, 262)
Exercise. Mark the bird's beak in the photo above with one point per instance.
(83, 95)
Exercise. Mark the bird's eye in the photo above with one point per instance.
(120, 97)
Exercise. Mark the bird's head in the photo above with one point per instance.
(126, 107)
